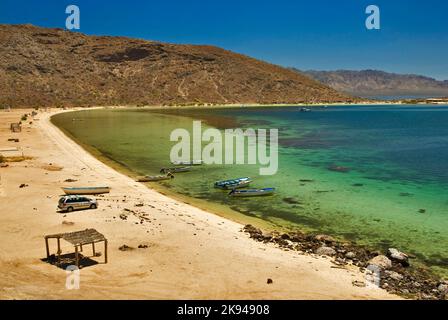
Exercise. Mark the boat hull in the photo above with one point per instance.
(86, 191)
(252, 192)
(188, 163)
(233, 184)
(175, 170)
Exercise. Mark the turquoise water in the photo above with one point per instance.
(392, 193)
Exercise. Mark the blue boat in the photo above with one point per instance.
(252, 192)
(233, 183)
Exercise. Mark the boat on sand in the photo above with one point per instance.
(85, 190)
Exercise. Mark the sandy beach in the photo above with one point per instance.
(190, 254)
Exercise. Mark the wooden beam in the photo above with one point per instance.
(105, 251)
(47, 247)
(93, 248)
(59, 250)
(76, 256)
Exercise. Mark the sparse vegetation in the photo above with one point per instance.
(122, 71)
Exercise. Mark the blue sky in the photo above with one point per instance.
(318, 34)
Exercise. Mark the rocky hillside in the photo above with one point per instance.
(370, 83)
(53, 67)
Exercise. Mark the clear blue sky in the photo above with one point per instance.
(318, 34)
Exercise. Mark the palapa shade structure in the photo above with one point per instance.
(78, 239)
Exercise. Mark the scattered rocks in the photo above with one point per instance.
(326, 251)
(70, 180)
(23, 185)
(350, 255)
(443, 288)
(398, 256)
(406, 194)
(291, 200)
(324, 238)
(143, 246)
(413, 282)
(52, 167)
(269, 281)
(358, 283)
(125, 248)
(381, 261)
(339, 169)
(393, 275)
(422, 211)
(68, 223)
(123, 216)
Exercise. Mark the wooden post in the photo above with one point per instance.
(93, 248)
(105, 251)
(76, 256)
(46, 246)
(80, 247)
(59, 250)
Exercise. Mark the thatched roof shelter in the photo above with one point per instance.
(78, 239)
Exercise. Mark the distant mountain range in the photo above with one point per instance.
(374, 83)
(55, 67)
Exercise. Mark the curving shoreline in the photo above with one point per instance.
(425, 283)
(188, 248)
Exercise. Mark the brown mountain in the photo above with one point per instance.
(370, 83)
(54, 67)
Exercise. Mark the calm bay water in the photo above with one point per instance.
(393, 192)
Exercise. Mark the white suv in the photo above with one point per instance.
(71, 203)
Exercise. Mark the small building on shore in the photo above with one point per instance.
(437, 100)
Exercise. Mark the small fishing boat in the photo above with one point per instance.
(233, 183)
(86, 190)
(252, 192)
(188, 163)
(305, 110)
(175, 170)
(155, 178)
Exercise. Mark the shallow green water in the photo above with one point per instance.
(397, 160)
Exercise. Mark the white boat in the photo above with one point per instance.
(175, 170)
(252, 192)
(86, 190)
(188, 163)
